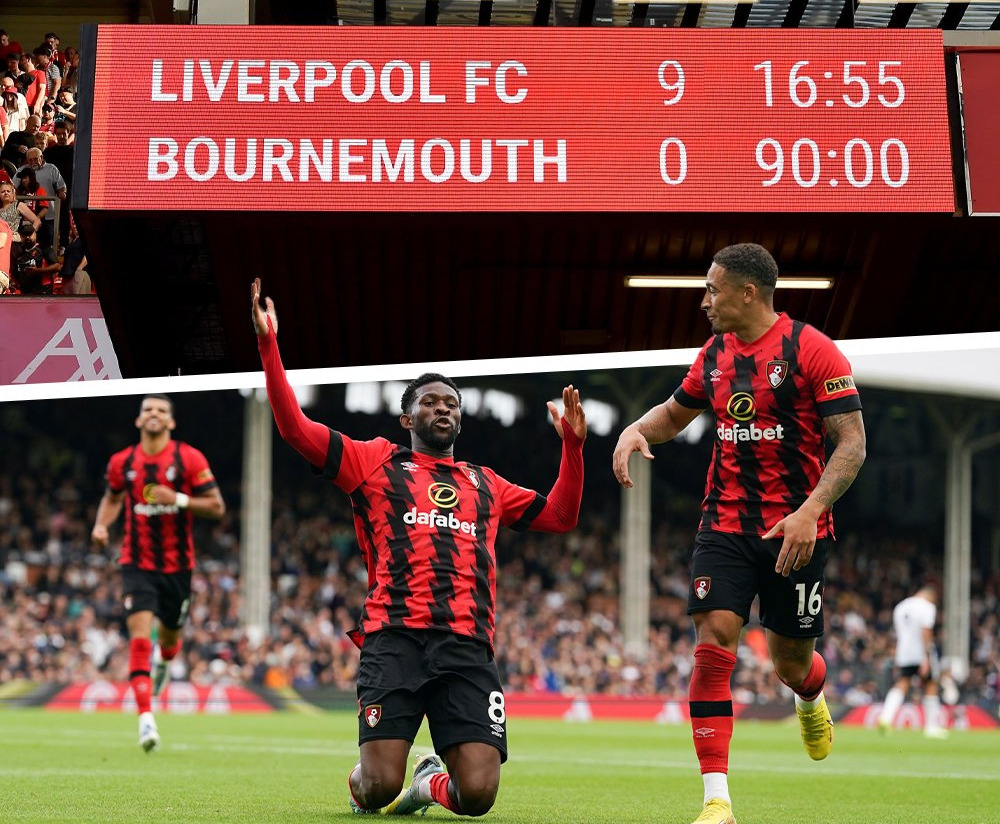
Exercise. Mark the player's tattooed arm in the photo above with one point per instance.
(847, 431)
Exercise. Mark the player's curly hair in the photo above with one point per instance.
(751, 262)
(410, 393)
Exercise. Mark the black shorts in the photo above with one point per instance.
(728, 570)
(913, 670)
(452, 679)
(165, 594)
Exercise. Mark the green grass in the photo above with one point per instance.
(67, 767)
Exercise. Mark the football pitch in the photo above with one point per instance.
(289, 767)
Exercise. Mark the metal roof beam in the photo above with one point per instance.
(794, 15)
(953, 16)
(543, 10)
(901, 15)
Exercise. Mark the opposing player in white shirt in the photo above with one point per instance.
(913, 620)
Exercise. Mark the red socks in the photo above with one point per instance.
(169, 653)
(439, 792)
(812, 686)
(139, 652)
(710, 701)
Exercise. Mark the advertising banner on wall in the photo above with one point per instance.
(54, 340)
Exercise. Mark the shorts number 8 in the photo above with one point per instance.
(496, 711)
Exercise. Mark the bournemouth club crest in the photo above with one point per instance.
(373, 714)
(776, 371)
(702, 586)
(471, 473)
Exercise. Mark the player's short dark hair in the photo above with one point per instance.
(42, 50)
(410, 393)
(749, 261)
(159, 397)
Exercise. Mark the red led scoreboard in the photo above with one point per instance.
(456, 119)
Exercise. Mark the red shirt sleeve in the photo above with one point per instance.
(691, 392)
(349, 462)
(307, 437)
(197, 472)
(114, 475)
(560, 509)
(829, 373)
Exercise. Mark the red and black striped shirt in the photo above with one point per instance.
(158, 537)
(769, 398)
(426, 526)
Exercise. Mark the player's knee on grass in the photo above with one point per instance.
(476, 795)
(379, 784)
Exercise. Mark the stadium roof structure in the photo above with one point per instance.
(357, 288)
(710, 14)
(958, 365)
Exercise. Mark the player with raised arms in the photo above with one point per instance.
(426, 525)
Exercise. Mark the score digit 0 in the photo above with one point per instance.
(673, 156)
(671, 70)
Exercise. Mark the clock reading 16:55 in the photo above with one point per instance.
(853, 86)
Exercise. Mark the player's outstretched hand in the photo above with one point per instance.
(259, 315)
(572, 413)
(631, 440)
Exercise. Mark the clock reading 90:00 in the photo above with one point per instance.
(857, 161)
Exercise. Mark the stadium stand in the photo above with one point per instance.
(50, 87)
(558, 607)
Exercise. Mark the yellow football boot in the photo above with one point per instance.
(716, 811)
(817, 729)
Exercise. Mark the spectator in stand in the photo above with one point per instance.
(8, 46)
(6, 240)
(71, 71)
(34, 269)
(45, 136)
(14, 212)
(60, 154)
(52, 41)
(27, 185)
(53, 72)
(66, 105)
(49, 180)
(35, 90)
(13, 70)
(16, 109)
(75, 277)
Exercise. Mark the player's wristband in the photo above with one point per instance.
(182, 500)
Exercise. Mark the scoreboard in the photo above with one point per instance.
(348, 119)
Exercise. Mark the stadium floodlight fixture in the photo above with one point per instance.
(688, 282)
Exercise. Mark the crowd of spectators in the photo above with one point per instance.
(558, 598)
(37, 143)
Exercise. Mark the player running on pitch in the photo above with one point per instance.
(426, 525)
(161, 483)
(913, 620)
(774, 385)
